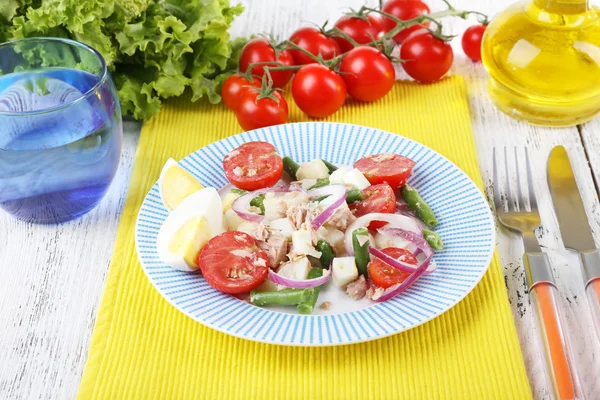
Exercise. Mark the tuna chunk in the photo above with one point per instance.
(275, 247)
(357, 289)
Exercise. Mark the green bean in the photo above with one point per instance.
(353, 196)
(418, 205)
(329, 166)
(320, 183)
(434, 240)
(308, 305)
(327, 254)
(361, 252)
(239, 191)
(284, 297)
(290, 166)
(258, 201)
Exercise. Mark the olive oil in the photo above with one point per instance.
(543, 57)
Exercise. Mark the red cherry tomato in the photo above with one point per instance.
(426, 58)
(360, 30)
(254, 113)
(229, 271)
(471, 41)
(377, 199)
(404, 10)
(318, 91)
(368, 73)
(233, 87)
(260, 50)
(384, 275)
(393, 169)
(253, 165)
(315, 42)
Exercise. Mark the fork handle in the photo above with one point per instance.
(544, 296)
(591, 278)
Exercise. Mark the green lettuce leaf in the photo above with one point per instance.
(156, 49)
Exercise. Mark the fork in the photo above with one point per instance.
(525, 219)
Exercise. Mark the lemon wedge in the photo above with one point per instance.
(189, 240)
(176, 184)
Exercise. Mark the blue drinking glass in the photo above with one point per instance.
(60, 129)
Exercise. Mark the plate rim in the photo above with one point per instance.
(490, 254)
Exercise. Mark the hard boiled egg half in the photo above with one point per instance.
(189, 227)
(175, 184)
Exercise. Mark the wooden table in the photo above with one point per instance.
(53, 276)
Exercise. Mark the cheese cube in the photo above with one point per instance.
(275, 208)
(297, 269)
(316, 169)
(284, 226)
(302, 244)
(343, 271)
(338, 175)
(232, 220)
(356, 178)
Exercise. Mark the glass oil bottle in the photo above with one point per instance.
(543, 57)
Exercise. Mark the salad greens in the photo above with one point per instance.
(155, 49)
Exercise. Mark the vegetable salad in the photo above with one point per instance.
(283, 230)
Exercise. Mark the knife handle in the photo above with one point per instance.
(591, 279)
(554, 337)
(593, 294)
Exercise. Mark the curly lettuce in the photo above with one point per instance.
(155, 49)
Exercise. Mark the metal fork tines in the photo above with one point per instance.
(517, 216)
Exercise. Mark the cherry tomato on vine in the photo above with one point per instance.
(254, 112)
(471, 41)
(318, 91)
(233, 87)
(361, 30)
(404, 10)
(368, 73)
(315, 42)
(260, 50)
(425, 57)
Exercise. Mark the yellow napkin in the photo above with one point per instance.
(143, 348)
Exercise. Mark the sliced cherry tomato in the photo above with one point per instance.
(471, 41)
(391, 168)
(361, 30)
(233, 263)
(254, 113)
(426, 58)
(315, 42)
(368, 73)
(404, 10)
(253, 165)
(260, 50)
(384, 275)
(233, 87)
(377, 199)
(318, 91)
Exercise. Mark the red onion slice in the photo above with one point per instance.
(416, 239)
(241, 205)
(393, 220)
(393, 291)
(338, 192)
(299, 284)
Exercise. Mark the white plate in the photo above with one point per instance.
(465, 225)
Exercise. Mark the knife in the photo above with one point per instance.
(574, 226)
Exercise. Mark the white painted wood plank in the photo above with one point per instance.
(53, 276)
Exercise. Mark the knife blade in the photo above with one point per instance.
(572, 218)
(574, 225)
